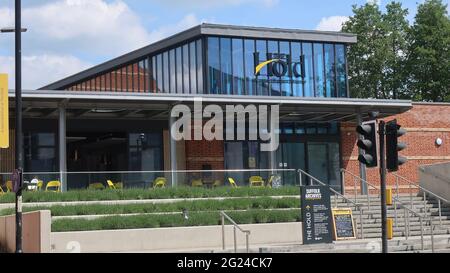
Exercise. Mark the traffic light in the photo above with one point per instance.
(368, 144)
(393, 132)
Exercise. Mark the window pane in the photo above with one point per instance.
(341, 71)
(329, 70)
(275, 85)
(297, 86)
(261, 49)
(166, 87)
(213, 65)
(238, 67)
(141, 76)
(153, 76)
(319, 70)
(199, 67)
(309, 75)
(225, 65)
(186, 69)
(250, 86)
(173, 74)
(135, 76)
(159, 74)
(193, 67)
(179, 62)
(286, 79)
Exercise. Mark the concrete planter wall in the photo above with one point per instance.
(172, 239)
(36, 232)
(37, 237)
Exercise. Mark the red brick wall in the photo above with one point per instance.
(201, 152)
(424, 123)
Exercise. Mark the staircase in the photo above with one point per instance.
(371, 218)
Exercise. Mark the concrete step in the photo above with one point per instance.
(396, 245)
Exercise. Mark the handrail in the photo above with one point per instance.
(357, 206)
(422, 188)
(343, 171)
(421, 217)
(247, 232)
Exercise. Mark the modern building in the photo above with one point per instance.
(114, 118)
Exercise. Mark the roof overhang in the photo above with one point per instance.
(114, 105)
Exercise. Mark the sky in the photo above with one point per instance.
(67, 36)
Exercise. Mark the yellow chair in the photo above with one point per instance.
(111, 185)
(96, 186)
(160, 182)
(197, 183)
(1, 191)
(9, 186)
(232, 183)
(40, 184)
(256, 181)
(269, 183)
(53, 184)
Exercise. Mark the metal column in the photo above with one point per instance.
(362, 167)
(173, 154)
(62, 148)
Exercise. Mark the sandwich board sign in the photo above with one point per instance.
(4, 112)
(316, 214)
(343, 224)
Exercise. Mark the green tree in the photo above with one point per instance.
(377, 61)
(429, 58)
(396, 38)
(365, 58)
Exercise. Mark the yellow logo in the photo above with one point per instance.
(261, 65)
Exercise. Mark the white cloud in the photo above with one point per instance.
(84, 29)
(39, 70)
(376, 2)
(186, 22)
(332, 23)
(206, 4)
(85, 25)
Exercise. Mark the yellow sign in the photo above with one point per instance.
(4, 112)
(343, 224)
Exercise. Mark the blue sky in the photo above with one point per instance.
(67, 36)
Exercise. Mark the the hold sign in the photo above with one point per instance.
(316, 215)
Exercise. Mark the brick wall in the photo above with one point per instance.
(424, 123)
(202, 152)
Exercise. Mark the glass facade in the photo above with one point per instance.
(296, 68)
(223, 65)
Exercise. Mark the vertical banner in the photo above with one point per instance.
(4, 112)
(316, 214)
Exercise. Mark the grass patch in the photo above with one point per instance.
(141, 194)
(160, 221)
(198, 205)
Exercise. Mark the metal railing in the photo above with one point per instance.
(424, 191)
(356, 205)
(407, 211)
(224, 216)
(355, 182)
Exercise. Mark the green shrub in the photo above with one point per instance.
(175, 220)
(140, 194)
(194, 205)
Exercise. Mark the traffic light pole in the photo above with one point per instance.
(384, 242)
(18, 129)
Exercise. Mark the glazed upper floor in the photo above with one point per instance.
(219, 59)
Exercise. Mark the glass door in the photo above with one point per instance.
(323, 163)
(290, 155)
